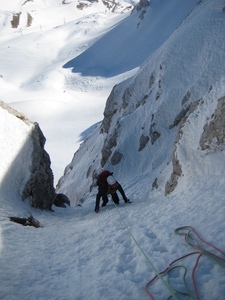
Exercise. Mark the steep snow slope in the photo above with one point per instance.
(143, 115)
(130, 43)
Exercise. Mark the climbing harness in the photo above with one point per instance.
(158, 275)
(195, 241)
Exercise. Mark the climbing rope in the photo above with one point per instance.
(196, 244)
(193, 240)
(167, 272)
(171, 290)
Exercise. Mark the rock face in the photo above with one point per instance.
(26, 170)
(213, 136)
(39, 187)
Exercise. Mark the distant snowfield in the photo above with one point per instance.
(33, 81)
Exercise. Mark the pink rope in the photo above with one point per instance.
(200, 252)
(193, 277)
(165, 272)
(203, 241)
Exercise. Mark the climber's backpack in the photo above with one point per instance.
(102, 177)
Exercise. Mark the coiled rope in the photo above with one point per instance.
(193, 240)
(158, 275)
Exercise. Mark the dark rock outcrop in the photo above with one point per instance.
(213, 137)
(61, 200)
(39, 187)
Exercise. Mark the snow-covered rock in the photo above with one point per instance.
(25, 165)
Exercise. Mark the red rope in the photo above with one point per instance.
(165, 272)
(193, 277)
(203, 241)
(200, 252)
